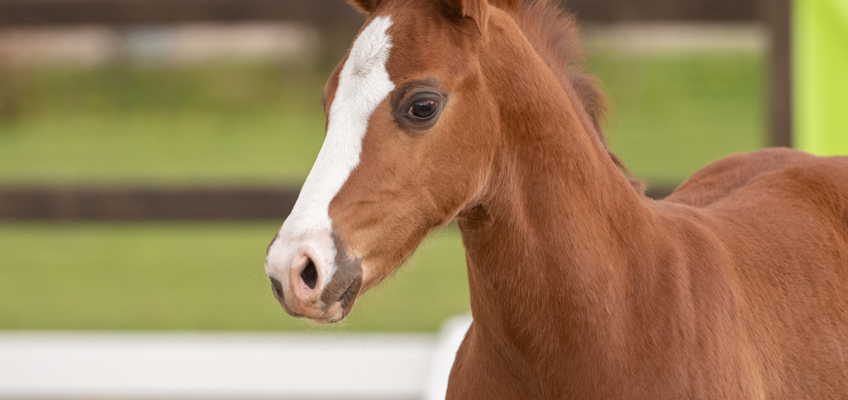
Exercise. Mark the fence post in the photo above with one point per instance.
(777, 15)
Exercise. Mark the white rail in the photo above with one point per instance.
(98, 365)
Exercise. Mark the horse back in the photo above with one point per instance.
(782, 218)
(719, 179)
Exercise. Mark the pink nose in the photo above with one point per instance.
(302, 296)
(312, 276)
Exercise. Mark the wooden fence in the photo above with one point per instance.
(67, 204)
(338, 21)
(327, 13)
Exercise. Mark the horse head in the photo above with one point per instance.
(412, 130)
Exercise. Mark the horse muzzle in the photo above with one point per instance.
(312, 277)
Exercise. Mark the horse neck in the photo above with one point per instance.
(548, 246)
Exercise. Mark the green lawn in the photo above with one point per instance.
(261, 125)
(671, 114)
(196, 276)
(202, 126)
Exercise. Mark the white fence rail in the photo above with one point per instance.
(97, 365)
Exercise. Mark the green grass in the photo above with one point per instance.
(260, 125)
(211, 125)
(672, 114)
(201, 276)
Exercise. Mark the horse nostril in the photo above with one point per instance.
(310, 274)
(277, 287)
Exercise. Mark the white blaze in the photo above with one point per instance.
(363, 84)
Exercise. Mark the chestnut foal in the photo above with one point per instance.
(735, 287)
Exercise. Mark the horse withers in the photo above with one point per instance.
(734, 287)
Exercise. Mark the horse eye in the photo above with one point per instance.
(423, 109)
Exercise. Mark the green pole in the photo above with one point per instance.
(820, 76)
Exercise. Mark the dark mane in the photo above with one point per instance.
(554, 35)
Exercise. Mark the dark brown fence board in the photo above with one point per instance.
(325, 13)
(659, 192)
(328, 13)
(93, 204)
(145, 204)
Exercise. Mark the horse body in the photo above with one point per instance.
(735, 287)
(597, 292)
(743, 299)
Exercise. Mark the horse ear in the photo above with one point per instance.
(478, 10)
(364, 6)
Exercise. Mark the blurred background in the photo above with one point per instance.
(150, 149)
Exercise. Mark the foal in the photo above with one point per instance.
(735, 287)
